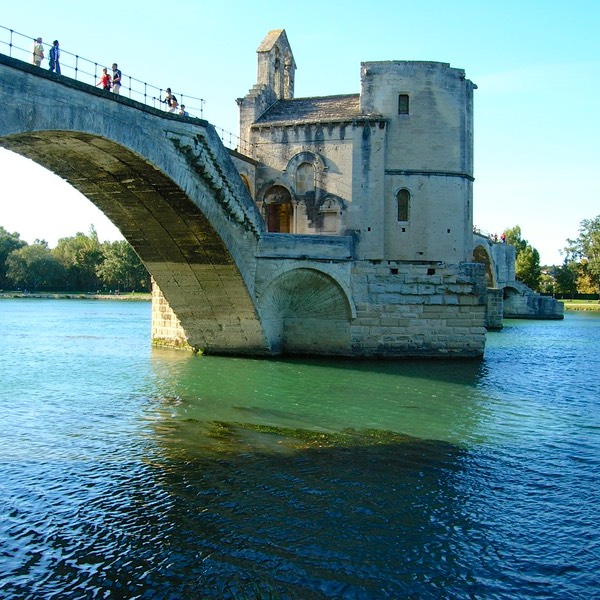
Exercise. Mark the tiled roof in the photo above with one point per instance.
(326, 109)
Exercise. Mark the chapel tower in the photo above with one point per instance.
(275, 79)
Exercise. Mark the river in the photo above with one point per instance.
(133, 472)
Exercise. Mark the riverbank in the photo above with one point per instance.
(78, 295)
(587, 305)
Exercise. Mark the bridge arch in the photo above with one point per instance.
(307, 311)
(481, 254)
(167, 183)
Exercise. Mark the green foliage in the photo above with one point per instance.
(121, 268)
(77, 264)
(586, 251)
(513, 237)
(8, 243)
(565, 278)
(80, 256)
(34, 267)
(527, 267)
(527, 262)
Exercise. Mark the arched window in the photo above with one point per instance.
(403, 200)
(305, 179)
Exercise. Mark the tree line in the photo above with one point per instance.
(83, 264)
(580, 271)
(80, 263)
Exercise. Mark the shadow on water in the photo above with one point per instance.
(228, 510)
(461, 371)
(303, 514)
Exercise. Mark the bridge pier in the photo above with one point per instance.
(494, 309)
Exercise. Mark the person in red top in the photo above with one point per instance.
(105, 80)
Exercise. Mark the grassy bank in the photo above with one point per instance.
(590, 305)
(78, 295)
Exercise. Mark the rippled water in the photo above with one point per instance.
(127, 472)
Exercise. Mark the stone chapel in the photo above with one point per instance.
(391, 166)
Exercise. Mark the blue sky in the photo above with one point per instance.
(536, 64)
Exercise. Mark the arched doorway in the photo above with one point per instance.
(278, 210)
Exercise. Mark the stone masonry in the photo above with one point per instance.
(340, 226)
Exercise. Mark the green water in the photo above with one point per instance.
(133, 472)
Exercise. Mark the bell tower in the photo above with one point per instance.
(276, 66)
(275, 79)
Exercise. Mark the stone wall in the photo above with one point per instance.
(495, 308)
(166, 328)
(418, 310)
(372, 308)
(520, 302)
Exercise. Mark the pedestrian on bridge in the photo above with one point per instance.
(105, 80)
(55, 58)
(38, 52)
(116, 79)
(170, 101)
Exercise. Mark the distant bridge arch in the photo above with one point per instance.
(481, 254)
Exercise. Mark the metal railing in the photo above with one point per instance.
(20, 46)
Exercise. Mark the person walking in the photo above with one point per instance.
(38, 52)
(116, 79)
(168, 96)
(173, 105)
(55, 58)
(105, 80)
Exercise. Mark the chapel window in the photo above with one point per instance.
(403, 104)
(403, 200)
(305, 179)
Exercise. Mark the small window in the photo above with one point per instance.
(403, 199)
(403, 104)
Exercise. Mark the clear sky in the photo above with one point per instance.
(536, 64)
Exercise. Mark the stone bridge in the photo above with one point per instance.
(169, 185)
(222, 283)
(507, 297)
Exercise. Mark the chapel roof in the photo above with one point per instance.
(325, 109)
(270, 39)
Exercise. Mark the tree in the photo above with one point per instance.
(34, 267)
(527, 262)
(586, 250)
(8, 243)
(81, 256)
(513, 237)
(527, 267)
(566, 278)
(121, 267)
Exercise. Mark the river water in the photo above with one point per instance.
(132, 472)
